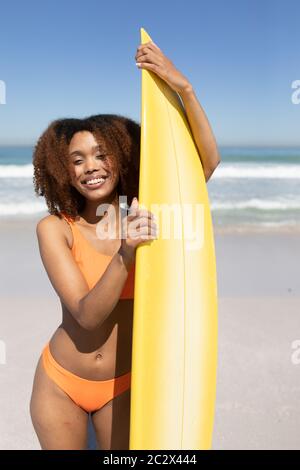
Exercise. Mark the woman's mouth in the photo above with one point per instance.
(94, 183)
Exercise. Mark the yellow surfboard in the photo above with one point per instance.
(174, 355)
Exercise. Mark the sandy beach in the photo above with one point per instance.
(258, 385)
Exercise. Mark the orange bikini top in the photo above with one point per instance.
(91, 263)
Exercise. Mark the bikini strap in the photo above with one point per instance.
(72, 226)
(67, 218)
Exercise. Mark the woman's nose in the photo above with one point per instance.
(91, 164)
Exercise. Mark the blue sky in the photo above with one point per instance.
(73, 58)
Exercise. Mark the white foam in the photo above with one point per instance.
(261, 204)
(16, 171)
(22, 208)
(224, 170)
(266, 171)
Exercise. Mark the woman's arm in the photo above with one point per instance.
(89, 308)
(93, 311)
(150, 57)
(201, 130)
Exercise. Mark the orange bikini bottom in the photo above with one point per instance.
(91, 395)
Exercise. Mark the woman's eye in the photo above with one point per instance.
(102, 156)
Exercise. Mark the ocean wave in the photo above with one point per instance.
(32, 207)
(266, 171)
(22, 208)
(16, 171)
(225, 170)
(260, 204)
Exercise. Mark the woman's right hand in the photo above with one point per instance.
(138, 227)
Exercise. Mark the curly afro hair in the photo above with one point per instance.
(51, 173)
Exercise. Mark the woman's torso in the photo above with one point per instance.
(100, 354)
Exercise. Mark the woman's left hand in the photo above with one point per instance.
(150, 57)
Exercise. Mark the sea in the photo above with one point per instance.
(252, 186)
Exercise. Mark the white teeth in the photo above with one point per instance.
(95, 181)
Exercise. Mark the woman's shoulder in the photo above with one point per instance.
(54, 225)
(48, 221)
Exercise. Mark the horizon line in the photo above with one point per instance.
(240, 145)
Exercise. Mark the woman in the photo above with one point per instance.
(81, 166)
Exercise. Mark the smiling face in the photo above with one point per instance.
(93, 169)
